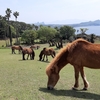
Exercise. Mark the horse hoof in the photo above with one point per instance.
(73, 88)
(49, 88)
(85, 89)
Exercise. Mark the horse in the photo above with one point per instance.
(14, 47)
(80, 53)
(35, 46)
(46, 52)
(28, 51)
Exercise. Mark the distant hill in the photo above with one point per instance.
(89, 23)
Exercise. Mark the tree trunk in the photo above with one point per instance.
(10, 36)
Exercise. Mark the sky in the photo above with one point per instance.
(52, 11)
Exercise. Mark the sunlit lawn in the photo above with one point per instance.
(27, 80)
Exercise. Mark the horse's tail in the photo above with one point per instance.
(54, 53)
(21, 47)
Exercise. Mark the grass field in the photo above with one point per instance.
(27, 80)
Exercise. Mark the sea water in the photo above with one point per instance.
(91, 30)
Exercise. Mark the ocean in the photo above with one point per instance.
(91, 30)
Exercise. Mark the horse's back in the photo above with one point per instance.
(35, 46)
(48, 51)
(27, 50)
(15, 47)
(84, 53)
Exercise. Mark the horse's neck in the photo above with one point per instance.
(61, 60)
(21, 48)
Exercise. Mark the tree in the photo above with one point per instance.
(3, 28)
(83, 30)
(66, 32)
(16, 14)
(46, 34)
(83, 34)
(36, 27)
(10, 34)
(8, 12)
(13, 31)
(29, 36)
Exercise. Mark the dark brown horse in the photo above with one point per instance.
(80, 53)
(14, 47)
(46, 52)
(29, 51)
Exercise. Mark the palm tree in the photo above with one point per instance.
(83, 30)
(8, 12)
(8, 15)
(16, 14)
(36, 27)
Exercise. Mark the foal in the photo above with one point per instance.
(28, 51)
(46, 52)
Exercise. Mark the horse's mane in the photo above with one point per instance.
(77, 42)
(69, 47)
(58, 56)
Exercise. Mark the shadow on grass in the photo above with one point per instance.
(23, 60)
(26, 60)
(44, 61)
(72, 93)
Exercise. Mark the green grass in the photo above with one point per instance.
(27, 80)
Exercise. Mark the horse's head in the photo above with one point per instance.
(53, 69)
(20, 47)
(53, 77)
(40, 55)
(44, 49)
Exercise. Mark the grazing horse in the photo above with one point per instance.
(35, 46)
(80, 53)
(47, 52)
(13, 48)
(28, 51)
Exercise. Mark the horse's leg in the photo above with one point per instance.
(52, 56)
(23, 56)
(43, 57)
(14, 51)
(46, 58)
(19, 51)
(76, 85)
(86, 84)
(30, 56)
(27, 56)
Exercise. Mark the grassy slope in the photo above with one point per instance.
(26, 80)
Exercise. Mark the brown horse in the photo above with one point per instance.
(14, 47)
(35, 46)
(46, 52)
(80, 53)
(28, 51)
